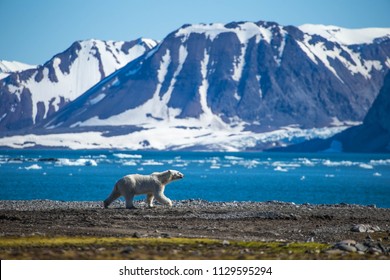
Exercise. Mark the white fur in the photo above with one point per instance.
(153, 185)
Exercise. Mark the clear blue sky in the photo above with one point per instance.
(32, 31)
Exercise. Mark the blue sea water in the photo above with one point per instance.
(214, 176)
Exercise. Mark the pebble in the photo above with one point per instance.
(310, 239)
(348, 242)
(127, 250)
(345, 247)
(375, 228)
(368, 237)
(374, 250)
(361, 247)
(384, 250)
(369, 246)
(165, 235)
(359, 228)
(365, 228)
(334, 251)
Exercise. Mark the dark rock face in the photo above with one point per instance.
(373, 136)
(263, 74)
(379, 114)
(19, 108)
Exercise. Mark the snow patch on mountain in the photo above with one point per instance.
(8, 67)
(183, 53)
(97, 99)
(149, 42)
(353, 61)
(346, 36)
(204, 86)
(244, 31)
(239, 65)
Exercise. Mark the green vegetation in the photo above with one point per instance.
(42, 247)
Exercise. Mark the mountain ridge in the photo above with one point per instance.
(8, 67)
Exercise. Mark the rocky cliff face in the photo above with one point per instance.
(372, 136)
(379, 113)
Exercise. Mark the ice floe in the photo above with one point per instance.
(281, 169)
(120, 155)
(33, 167)
(76, 162)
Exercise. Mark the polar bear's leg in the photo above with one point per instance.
(129, 196)
(113, 196)
(149, 200)
(130, 204)
(160, 197)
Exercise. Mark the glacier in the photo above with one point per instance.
(195, 137)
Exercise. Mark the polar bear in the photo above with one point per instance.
(153, 185)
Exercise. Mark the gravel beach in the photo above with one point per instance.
(347, 228)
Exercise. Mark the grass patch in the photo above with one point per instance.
(61, 247)
(38, 241)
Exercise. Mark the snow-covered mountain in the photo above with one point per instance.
(236, 86)
(32, 95)
(235, 79)
(8, 67)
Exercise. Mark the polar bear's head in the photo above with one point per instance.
(168, 176)
(175, 175)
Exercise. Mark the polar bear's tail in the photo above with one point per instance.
(113, 196)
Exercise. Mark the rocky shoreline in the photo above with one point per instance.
(347, 229)
(46, 204)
